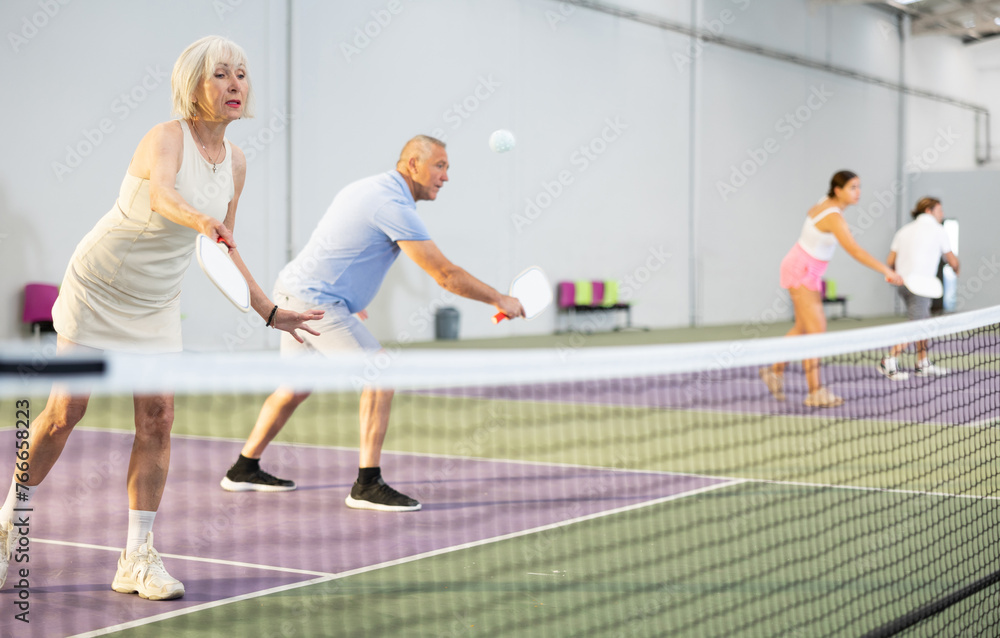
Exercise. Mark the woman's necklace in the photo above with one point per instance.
(213, 163)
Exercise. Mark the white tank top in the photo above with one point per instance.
(138, 251)
(815, 242)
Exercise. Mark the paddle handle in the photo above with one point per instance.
(220, 240)
(498, 317)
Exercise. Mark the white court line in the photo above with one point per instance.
(400, 561)
(976, 424)
(713, 477)
(181, 612)
(196, 559)
(709, 411)
(888, 490)
(987, 422)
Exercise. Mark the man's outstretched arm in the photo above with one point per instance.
(455, 279)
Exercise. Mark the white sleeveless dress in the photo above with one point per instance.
(122, 288)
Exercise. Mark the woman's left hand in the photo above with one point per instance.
(290, 321)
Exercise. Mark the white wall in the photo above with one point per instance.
(560, 77)
(973, 199)
(942, 65)
(986, 57)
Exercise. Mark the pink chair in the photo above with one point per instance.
(38, 302)
(598, 293)
(567, 294)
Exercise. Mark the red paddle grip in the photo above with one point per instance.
(498, 317)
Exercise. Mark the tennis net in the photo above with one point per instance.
(654, 490)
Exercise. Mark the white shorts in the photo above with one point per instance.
(340, 331)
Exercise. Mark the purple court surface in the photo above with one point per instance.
(964, 397)
(223, 544)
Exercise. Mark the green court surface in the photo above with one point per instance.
(677, 568)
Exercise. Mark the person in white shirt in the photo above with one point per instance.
(917, 249)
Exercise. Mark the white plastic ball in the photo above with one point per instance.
(501, 141)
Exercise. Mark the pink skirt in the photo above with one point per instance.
(799, 268)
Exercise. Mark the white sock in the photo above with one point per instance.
(140, 523)
(923, 363)
(890, 364)
(16, 497)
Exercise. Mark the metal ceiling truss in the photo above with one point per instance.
(969, 20)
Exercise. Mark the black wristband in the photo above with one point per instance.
(270, 320)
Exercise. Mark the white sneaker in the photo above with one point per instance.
(775, 383)
(822, 398)
(931, 370)
(8, 541)
(143, 573)
(887, 367)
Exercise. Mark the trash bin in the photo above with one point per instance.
(446, 324)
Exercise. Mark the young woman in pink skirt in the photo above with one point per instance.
(802, 274)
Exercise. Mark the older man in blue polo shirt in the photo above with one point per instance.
(340, 270)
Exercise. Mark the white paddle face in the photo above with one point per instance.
(923, 286)
(532, 289)
(214, 260)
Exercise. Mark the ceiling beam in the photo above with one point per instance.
(950, 20)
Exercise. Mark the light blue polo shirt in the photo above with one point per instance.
(354, 244)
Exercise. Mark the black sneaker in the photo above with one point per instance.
(379, 496)
(258, 481)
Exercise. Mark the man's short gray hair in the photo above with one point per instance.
(419, 147)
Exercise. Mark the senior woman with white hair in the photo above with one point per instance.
(121, 290)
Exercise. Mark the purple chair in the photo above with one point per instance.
(38, 302)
